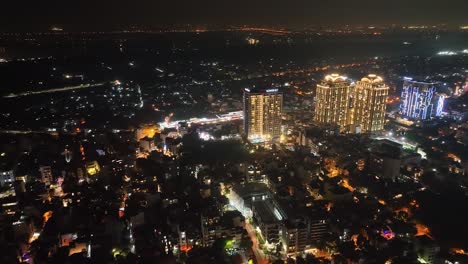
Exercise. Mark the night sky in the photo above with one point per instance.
(103, 13)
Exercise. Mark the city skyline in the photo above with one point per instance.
(260, 132)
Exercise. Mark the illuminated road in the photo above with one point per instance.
(270, 31)
(231, 116)
(259, 255)
(28, 132)
(319, 69)
(54, 132)
(63, 89)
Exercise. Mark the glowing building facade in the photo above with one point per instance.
(262, 114)
(369, 104)
(419, 100)
(333, 101)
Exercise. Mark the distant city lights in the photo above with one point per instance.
(451, 52)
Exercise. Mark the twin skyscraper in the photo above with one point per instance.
(352, 107)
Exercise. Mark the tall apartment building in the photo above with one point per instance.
(262, 114)
(369, 104)
(332, 101)
(419, 100)
(352, 108)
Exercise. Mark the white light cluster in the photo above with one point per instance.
(446, 53)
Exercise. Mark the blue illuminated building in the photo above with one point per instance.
(419, 100)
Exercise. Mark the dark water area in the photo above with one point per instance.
(232, 45)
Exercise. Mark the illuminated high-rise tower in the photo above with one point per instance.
(420, 101)
(369, 103)
(262, 113)
(333, 101)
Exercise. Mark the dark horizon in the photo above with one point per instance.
(107, 14)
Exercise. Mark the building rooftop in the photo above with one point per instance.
(267, 212)
(270, 90)
(335, 78)
(388, 148)
(251, 189)
(414, 80)
(372, 78)
(373, 81)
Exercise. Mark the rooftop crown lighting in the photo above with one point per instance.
(372, 78)
(335, 77)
